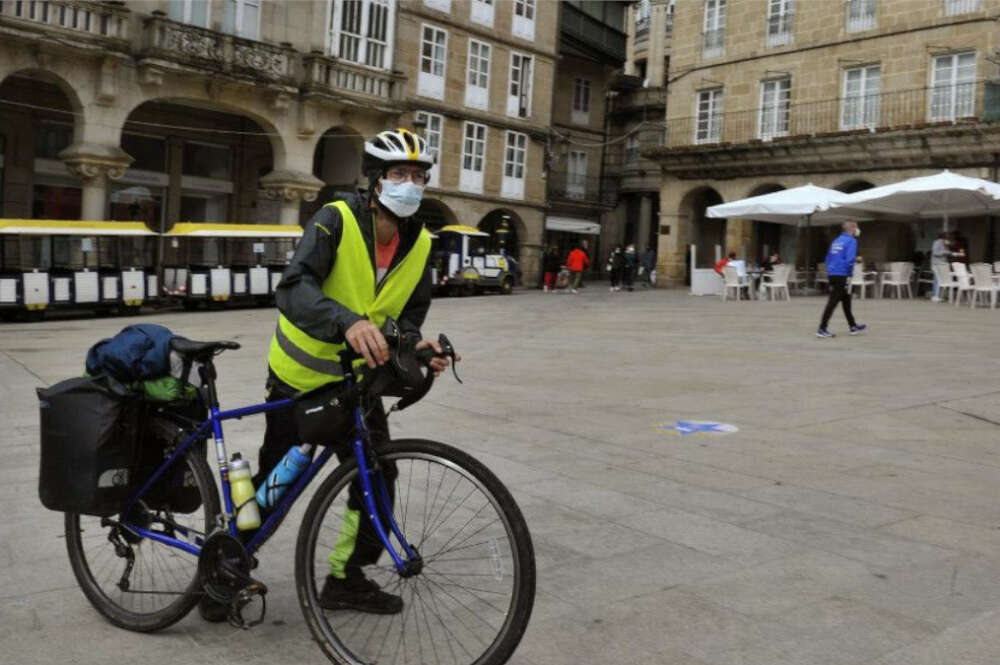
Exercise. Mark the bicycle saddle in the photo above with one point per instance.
(199, 350)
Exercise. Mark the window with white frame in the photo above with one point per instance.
(361, 31)
(861, 15)
(956, 7)
(433, 56)
(193, 12)
(714, 29)
(440, 5)
(642, 13)
(242, 18)
(516, 150)
(953, 87)
(860, 107)
(477, 77)
(473, 158)
(523, 25)
(708, 122)
(632, 149)
(581, 101)
(433, 134)
(576, 174)
(519, 90)
(779, 22)
(775, 98)
(481, 11)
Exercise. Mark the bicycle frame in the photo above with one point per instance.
(377, 503)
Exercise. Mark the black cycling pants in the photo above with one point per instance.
(282, 433)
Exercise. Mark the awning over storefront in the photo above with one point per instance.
(573, 225)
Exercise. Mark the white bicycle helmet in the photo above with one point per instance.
(398, 145)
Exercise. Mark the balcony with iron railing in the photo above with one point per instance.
(639, 99)
(201, 48)
(73, 18)
(577, 25)
(568, 187)
(900, 110)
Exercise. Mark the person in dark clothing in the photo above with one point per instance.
(839, 268)
(631, 264)
(330, 298)
(551, 264)
(616, 263)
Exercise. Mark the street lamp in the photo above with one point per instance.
(503, 228)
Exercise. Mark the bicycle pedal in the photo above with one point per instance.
(243, 598)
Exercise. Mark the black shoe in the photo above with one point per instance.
(361, 595)
(212, 611)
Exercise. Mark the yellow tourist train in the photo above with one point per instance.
(112, 266)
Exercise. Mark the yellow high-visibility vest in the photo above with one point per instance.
(304, 362)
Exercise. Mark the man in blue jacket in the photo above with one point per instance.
(839, 268)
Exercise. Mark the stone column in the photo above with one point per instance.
(671, 261)
(291, 188)
(645, 218)
(95, 165)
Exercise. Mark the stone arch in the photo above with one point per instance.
(264, 124)
(40, 119)
(506, 229)
(697, 229)
(855, 185)
(338, 156)
(434, 214)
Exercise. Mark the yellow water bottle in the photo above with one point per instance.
(247, 511)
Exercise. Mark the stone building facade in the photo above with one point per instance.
(847, 95)
(479, 79)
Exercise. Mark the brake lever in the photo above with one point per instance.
(448, 350)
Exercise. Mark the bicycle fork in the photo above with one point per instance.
(378, 504)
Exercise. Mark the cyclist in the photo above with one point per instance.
(359, 261)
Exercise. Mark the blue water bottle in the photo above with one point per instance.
(283, 475)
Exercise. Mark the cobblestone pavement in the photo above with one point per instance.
(853, 518)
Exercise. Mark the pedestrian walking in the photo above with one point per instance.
(577, 262)
(616, 262)
(631, 265)
(940, 255)
(551, 263)
(839, 268)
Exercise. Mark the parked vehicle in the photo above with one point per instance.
(460, 263)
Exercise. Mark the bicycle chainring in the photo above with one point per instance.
(224, 567)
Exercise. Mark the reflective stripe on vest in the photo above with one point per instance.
(304, 362)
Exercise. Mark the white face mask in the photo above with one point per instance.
(857, 233)
(402, 198)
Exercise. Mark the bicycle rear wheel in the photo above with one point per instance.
(162, 585)
(471, 602)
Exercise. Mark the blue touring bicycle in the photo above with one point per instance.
(455, 545)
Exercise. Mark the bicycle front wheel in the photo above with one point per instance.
(471, 602)
(138, 583)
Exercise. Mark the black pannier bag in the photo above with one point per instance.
(161, 432)
(88, 440)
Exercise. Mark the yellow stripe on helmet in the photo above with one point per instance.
(412, 154)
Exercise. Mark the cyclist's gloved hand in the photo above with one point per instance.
(367, 340)
(438, 363)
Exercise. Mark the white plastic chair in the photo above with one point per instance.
(862, 280)
(946, 280)
(731, 280)
(962, 281)
(796, 277)
(821, 276)
(777, 280)
(982, 276)
(996, 267)
(898, 276)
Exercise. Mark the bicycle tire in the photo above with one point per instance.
(96, 564)
(425, 598)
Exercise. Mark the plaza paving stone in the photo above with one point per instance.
(851, 520)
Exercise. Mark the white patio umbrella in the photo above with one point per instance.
(795, 206)
(944, 195)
